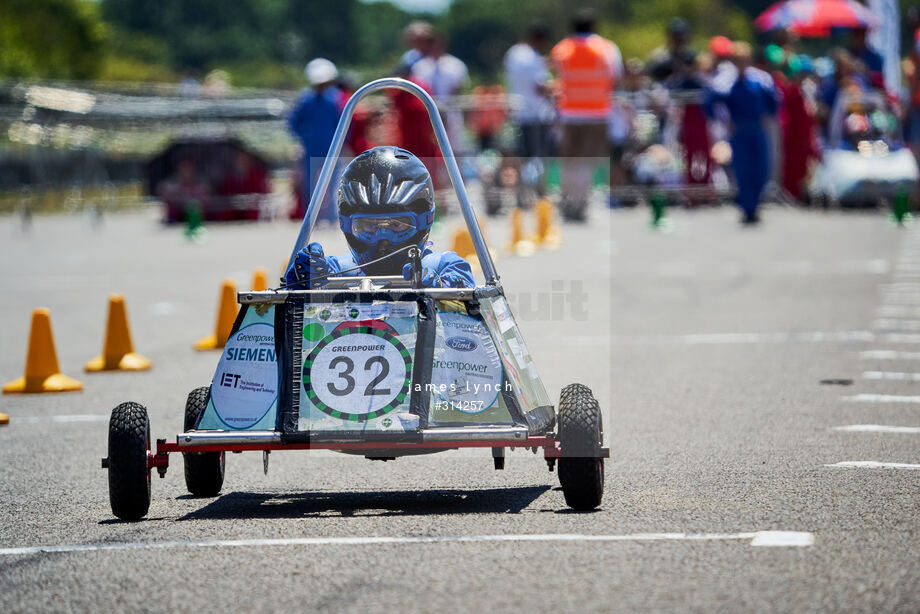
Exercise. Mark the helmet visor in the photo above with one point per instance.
(372, 229)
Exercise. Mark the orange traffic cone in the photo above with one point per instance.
(42, 373)
(4, 419)
(462, 243)
(547, 234)
(117, 349)
(226, 314)
(518, 244)
(259, 280)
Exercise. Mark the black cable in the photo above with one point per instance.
(356, 268)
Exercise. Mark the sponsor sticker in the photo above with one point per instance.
(245, 384)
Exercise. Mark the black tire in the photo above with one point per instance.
(581, 435)
(129, 477)
(204, 471)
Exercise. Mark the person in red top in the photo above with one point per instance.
(414, 131)
(244, 177)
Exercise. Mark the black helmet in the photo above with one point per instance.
(386, 202)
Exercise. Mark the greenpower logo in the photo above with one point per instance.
(353, 313)
(324, 314)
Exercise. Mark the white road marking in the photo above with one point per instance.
(64, 418)
(758, 538)
(874, 465)
(889, 355)
(881, 398)
(716, 338)
(878, 428)
(898, 311)
(892, 376)
(898, 338)
(896, 324)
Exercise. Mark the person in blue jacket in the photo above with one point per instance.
(749, 96)
(313, 120)
(386, 204)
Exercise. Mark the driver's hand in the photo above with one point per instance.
(429, 278)
(309, 263)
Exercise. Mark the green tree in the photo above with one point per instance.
(50, 39)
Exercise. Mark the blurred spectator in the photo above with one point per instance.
(528, 82)
(673, 59)
(313, 120)
(588, 66)
(216, 84)
(912, 71)
(418, 37)
(859, 48)
(676, 67)
(488, 114)
(748, 98)
(797, 135)
(447, 76)
(414, 127)
(244, 177)
(189, 87)
(184, 191)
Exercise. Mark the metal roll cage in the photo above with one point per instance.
(453, 169)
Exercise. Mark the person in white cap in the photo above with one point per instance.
(312, 120)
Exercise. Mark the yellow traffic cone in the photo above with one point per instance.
(260, 280)
(42, 373)
(463, 243)
(518, 244)
(226, 314)
(547, 234)
(117, 349)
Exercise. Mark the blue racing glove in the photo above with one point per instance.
(429, 279)
(309, 263)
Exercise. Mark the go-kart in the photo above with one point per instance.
(375, 366)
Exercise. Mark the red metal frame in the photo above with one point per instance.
(160, 459)
(164, 447)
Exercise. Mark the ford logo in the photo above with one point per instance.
(463, 344)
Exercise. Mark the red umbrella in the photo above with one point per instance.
(815, 18)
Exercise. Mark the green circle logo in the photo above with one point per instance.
(353, 313)
(313, 332)
(345, 407)
(324, 314)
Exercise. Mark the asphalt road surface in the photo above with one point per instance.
(756, 385)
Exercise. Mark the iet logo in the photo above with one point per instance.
(230, 380)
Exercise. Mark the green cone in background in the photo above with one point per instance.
(900, 208)
(193, 219)
(658, 205)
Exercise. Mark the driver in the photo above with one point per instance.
(386, 204)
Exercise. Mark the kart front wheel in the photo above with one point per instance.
(581, 435)
(129, 476)
(204, 471)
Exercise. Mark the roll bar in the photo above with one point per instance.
(338, 140)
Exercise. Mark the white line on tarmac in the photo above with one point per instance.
(898, 311)
(899, 338)
(757, 538)
(889, 355)
(891, 376)
(874, 465)
(896, 324)
(878, 428)
(63, 418)
(716, 338)
(881, 398)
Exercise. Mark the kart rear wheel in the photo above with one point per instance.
(581, 435)
(204, 471)
(129, 476)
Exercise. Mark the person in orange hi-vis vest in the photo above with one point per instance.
(587, 68)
